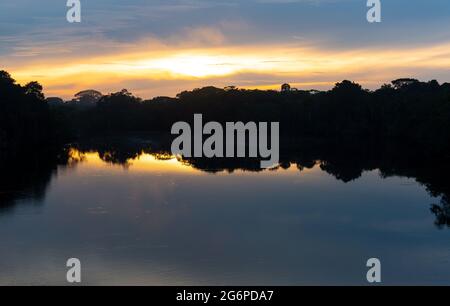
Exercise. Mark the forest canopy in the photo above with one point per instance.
(407, 110)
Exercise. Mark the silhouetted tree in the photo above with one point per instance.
(24, 115)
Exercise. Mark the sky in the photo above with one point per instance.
(162, 47)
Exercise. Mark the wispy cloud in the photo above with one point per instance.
(163, 46)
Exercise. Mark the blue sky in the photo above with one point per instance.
(33, 33)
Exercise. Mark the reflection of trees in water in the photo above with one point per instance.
(344, 161)
(442, 212)
(27, 175)
(116, 150)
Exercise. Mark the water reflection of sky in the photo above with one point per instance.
(160, 222)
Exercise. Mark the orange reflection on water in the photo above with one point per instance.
(144, 162)
(167, 163)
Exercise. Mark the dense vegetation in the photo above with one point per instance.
(407, 110)
(24, 115)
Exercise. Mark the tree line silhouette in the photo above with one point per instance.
(406, 110)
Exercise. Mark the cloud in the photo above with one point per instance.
(165, 46)
(247, 66)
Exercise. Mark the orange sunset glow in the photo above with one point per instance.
(307, 67)
(154, 49)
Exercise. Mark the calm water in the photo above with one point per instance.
(155, 221)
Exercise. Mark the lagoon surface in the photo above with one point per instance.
(153, 220)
